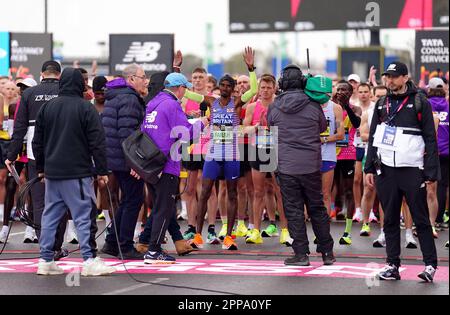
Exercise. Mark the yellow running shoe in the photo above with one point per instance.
(255, 237)
(241, 230)
(285, 238)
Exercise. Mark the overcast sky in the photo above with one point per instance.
(81, 24)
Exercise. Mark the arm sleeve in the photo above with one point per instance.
(253, 88)
(431, 158)
(372, 151)
(355, 120)
(96, 140)
(38, 141)
(194, 96)
(20, 129)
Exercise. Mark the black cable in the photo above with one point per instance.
(26, 215)
(146, 282)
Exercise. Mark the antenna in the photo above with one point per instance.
(307, 58)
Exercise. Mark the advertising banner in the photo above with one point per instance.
(154, 52)
(431, 55)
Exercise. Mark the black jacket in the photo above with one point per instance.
(30, 104)
(300, 122)
(69, 133)
(123, 114)
(408, 117)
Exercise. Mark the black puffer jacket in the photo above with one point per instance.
(123, 114)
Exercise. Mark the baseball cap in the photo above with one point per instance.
(51, 65)
(396, 69)
(436, 83)
(99, 84)
(354, 77)
(177, 79)
(29, 82)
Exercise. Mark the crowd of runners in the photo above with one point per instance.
(228, 173)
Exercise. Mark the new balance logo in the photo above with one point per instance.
(142, 52)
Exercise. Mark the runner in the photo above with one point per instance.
(263, 164)
(223, 156)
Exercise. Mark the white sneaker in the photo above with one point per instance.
(30, 236)
(358, 216)
(71, 234)
(4, 234)
(373, 217)
(96, 267)
(380, 241)
(410, 241)
(183, 215)
(48, 268)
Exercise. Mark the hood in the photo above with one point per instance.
(292, 102)
(439, 104)
(412, 90)
(118, 83)
(71, 82)
(120, 86)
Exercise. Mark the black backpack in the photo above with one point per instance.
(144, 157)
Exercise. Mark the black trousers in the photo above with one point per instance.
(392, 185)
(38, 201)
(164, 208)
(298, 191)
(442, 188)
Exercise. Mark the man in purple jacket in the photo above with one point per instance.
(166, 124)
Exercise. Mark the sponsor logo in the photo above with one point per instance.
(142, 52)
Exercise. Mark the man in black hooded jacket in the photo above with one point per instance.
(68, 137)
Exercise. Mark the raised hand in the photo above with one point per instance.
(249, 57)
(178, 59)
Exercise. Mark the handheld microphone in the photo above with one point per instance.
(203, 108)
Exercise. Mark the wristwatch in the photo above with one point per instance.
(325, 139)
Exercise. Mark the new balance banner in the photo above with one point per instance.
(154, 52)
(308, 15)
(30, 50)
(431, 54)
(4, 53)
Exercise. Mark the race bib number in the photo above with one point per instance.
(327, 132)
(344, 143)
(386, 137)
(264, 140)
(223, 136)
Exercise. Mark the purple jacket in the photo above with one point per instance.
(164, 114)
(440, 108)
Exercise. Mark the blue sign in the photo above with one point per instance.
(4, 53)
(216, 70)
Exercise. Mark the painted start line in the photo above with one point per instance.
(234, 267)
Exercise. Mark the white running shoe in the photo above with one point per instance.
(4, 234)
(380, 241)
(410, 241)
(373, 217)
(96, 267)
(358, 216)
(48, 268)
(30, 236)
(71, 233)
(183, 215)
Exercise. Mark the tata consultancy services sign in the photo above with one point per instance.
(153, 52)
(4, 53)
(432, 54)
(31, 50)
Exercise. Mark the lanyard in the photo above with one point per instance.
(392, 116)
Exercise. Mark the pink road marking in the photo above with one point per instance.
(236, 267)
